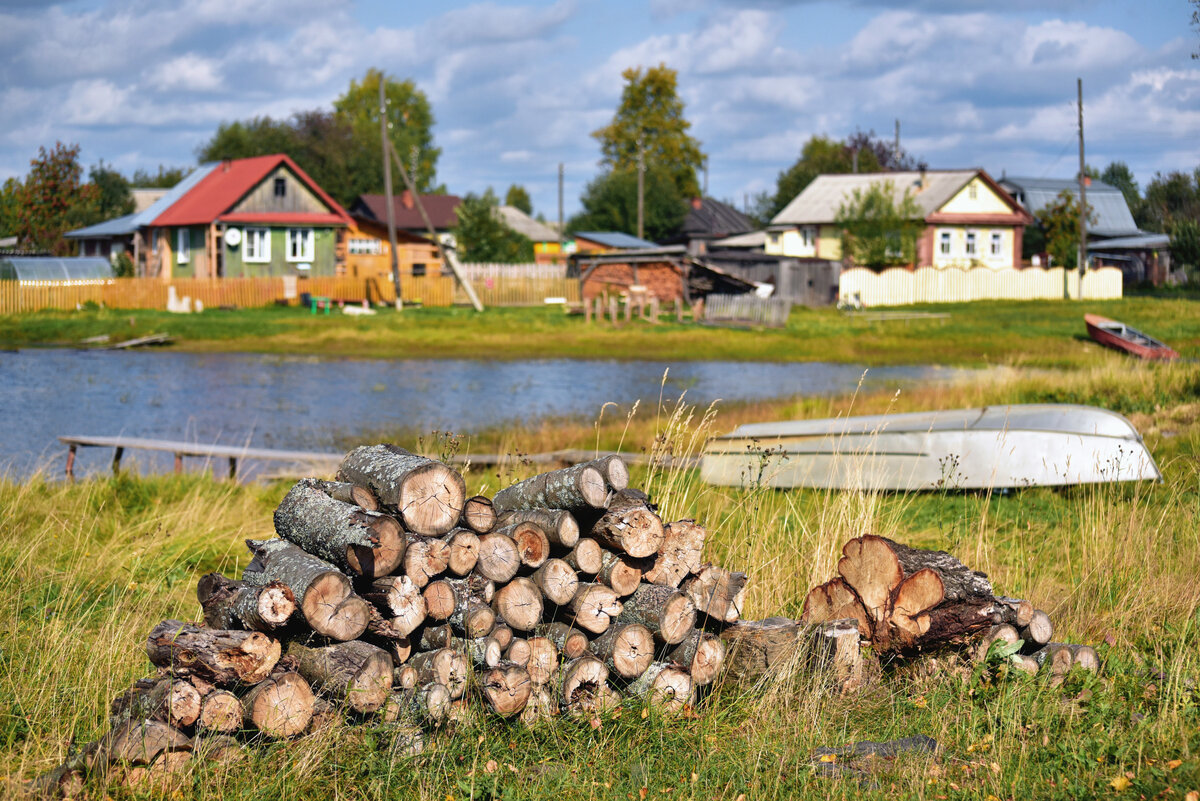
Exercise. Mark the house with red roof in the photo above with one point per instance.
(260, 216)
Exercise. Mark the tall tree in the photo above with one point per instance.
(164, 178)
(481, 236)
(1060, 223)
(1185, 243)
(10, 207)
(610, 204)
(650, 117)
(1119, 175)
(113, 196)
(878, 231)
(518, 198)
(1169, 199)
(53, 200)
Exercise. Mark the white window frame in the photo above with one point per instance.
(945, 243)
(997, 244)
(256, 245)
(365, 246)
(971, 245)
(305, 238)
(183, 245)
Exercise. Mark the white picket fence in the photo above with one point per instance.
(900, 287)
(747, 309)
(544, 272)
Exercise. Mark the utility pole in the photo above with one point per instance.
(387, 189)
(560, 207)
(896, 150)
(1082, 192)
(641, 184)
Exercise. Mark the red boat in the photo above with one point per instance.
(1122, 337)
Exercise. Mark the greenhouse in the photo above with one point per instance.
(50, 270)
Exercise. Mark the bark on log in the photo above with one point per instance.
(585, 557)
(594, 606)
(626, 649)
(701, 654)
(136, 742)
(220, 713)
(629, 525)
(323, 592)
(428, 495)
(762, 649)
(471, 617)
(582, 680)
(498, 558)
(571, 643)
(281, 706)
(718, 594)
(668, 613)
(401, 601)
(560, 526)
(1019, 612)
(572, 488)
(620, 572)
(464, 551)
(435, 637)
(425, 559)
(428, 703)
(478, 514)
(356, 541)
(557, 581)
(506, 689)
(520, 604)
(533, 547)
(346, 492)
(482, 652)
(174, 702)
(543, 660)
(325, 715)
(230, 604)
(404, 677)
(445, 666)
(222, 657)
(680, 553)
(663, 685)
(356, 673)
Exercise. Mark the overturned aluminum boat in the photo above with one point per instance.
(996, 447)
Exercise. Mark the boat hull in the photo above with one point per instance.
(1114, 334)
(990, 448)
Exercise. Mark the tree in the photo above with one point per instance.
(165, 178)
(113, 196)
(481, 236)
(610, 204)
(10, 207)
(1060, 224)
(518, 198)
(1196, 24)
(877, 231)
(1119, 175)
(651, 114)
(1170, 198)
(1185, 243)
(260, 136)
(53, 199)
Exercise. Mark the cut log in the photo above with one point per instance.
(834, 600)
(404, 677)
(520, 604)
(428, 495)
(230, 604)
(571, 643)
(478, 514)
(326, 600)
(1019, 612)
(583, 680)
(160, 776)
(439, 599)
(445, 666)
(1039, 631)
(280, 707)
(542, 664)
(614, 470)
(573, 488)
(400, 650)
(626, 649)
(220, 713)
(400, 600)
(540, 706)
(1055, 660)
(222, 657)
(594, 606)
(435, 637)
(356, 541)
(472, 617)
(350, 493)
(701, 654)
(1025, 664)
(585, 557)
(464, 551)
(718, 593)
(629, 525)
(1085, 656)
(557, 581)
(559, 525)
(870, 567)
(425, 559)
(503, 634)
(220, 748)
(356, 673)
(518, 652)
(664, 686)
(679, 555)
(668, 613)
(171, 701)
(481, 651)
(137, 742)
(506, 689)
(619, 572)
(1003, 633)
(498, 558)
(425, 704)
(325, 715)
(533, 547)
(761, 649)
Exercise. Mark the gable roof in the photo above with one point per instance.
(1112, 216)
(614, 239)
(226, 183)
(930, 189)
(714, 218)
(525, 225)
(130, 223)
(441, 210)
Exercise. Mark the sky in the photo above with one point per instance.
(517, 88)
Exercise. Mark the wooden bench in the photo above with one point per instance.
(319, 461)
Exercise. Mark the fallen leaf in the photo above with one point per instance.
(645, 712)
(1174, 763)
(1194, 795)
(642, 792)
(1119, 784)
(829, 757)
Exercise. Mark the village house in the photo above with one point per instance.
(607, 241)
(442, 211)
(366, 252)
(969, 220)
(709, 220)
(547, 244)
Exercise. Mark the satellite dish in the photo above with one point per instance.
(233, 237)
(304, 265)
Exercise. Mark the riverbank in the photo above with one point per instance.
(90, 568)
(1012, 333)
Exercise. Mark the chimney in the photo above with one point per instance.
(406, 199)
(697, 202)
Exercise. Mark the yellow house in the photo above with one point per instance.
(969, 219)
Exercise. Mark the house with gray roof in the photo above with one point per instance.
(969, 219)
(547, 245)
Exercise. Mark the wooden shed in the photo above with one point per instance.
(665, 273)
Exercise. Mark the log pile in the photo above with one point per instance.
(389, 596)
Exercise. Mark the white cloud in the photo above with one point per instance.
(190, 72)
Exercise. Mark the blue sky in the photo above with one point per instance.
(517, 87)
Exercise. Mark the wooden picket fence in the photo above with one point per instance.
(747, 310)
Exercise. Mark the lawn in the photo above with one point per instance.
(88, 569)
(1015, 333)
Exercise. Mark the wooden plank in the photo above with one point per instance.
(200, 449)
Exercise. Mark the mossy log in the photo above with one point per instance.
(224, 658)
(230, 604)
(352, 539)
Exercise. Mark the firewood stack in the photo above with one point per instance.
(391, 596)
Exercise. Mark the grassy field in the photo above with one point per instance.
(88, 569)
(1030, 333)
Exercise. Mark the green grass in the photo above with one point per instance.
(88, 569)
(1032, 333)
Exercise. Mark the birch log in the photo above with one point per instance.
(354, 540)
(428, 495)
(350, 493)
(356, 673)
(230, 604)
(572, 488)
(323, 592)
